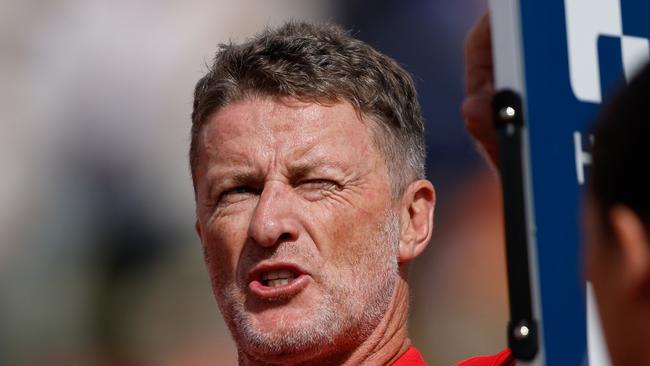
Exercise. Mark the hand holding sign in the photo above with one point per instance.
(479, 82)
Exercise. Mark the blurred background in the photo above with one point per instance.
(99, 262)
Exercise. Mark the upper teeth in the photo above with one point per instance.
(277, 274)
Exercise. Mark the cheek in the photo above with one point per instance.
(349, 236)
(222, 246)
(601, 269)
(596, 269)
(592, 245)
(353, 229)
(590, 265)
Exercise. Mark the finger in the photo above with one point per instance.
(478, 55)
(477, 113)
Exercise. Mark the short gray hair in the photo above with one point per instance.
(320, 63)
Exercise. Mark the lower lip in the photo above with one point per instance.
(285, 291)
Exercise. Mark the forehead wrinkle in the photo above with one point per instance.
(321, 152)
(300, 138)
(309, 162)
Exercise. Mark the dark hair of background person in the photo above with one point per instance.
(320, 63)
(621, 152)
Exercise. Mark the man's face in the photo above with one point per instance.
(298, 226)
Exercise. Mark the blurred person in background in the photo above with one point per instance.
(617, 222)
(307, 158)
(617, 209)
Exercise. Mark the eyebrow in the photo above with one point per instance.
(248, 176)
(296, 170)
(235, 176)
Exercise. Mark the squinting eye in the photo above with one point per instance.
(317, 189)
(237, 194)
(318, 184)
(238, 190)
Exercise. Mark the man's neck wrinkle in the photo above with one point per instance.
(393, 340)
(390, 339)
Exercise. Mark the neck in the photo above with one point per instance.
(390, 339)
(387, 342)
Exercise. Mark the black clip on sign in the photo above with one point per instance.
(509, 122)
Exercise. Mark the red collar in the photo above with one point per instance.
(503, 358)
(411, 357)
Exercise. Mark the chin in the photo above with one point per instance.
(286, 344)
(283, 333)
(288, 332)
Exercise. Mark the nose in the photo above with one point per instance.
(274, 217)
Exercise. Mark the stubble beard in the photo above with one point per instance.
(346, 314)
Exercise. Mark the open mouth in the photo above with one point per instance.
(277, 278)
(278, 281)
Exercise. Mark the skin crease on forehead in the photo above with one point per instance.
(285, 181)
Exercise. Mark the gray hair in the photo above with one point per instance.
(320, 63)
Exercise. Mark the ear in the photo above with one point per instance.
(632, 241)
(416, 213)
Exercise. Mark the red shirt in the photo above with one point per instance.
(411, 357)
(504, 358)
